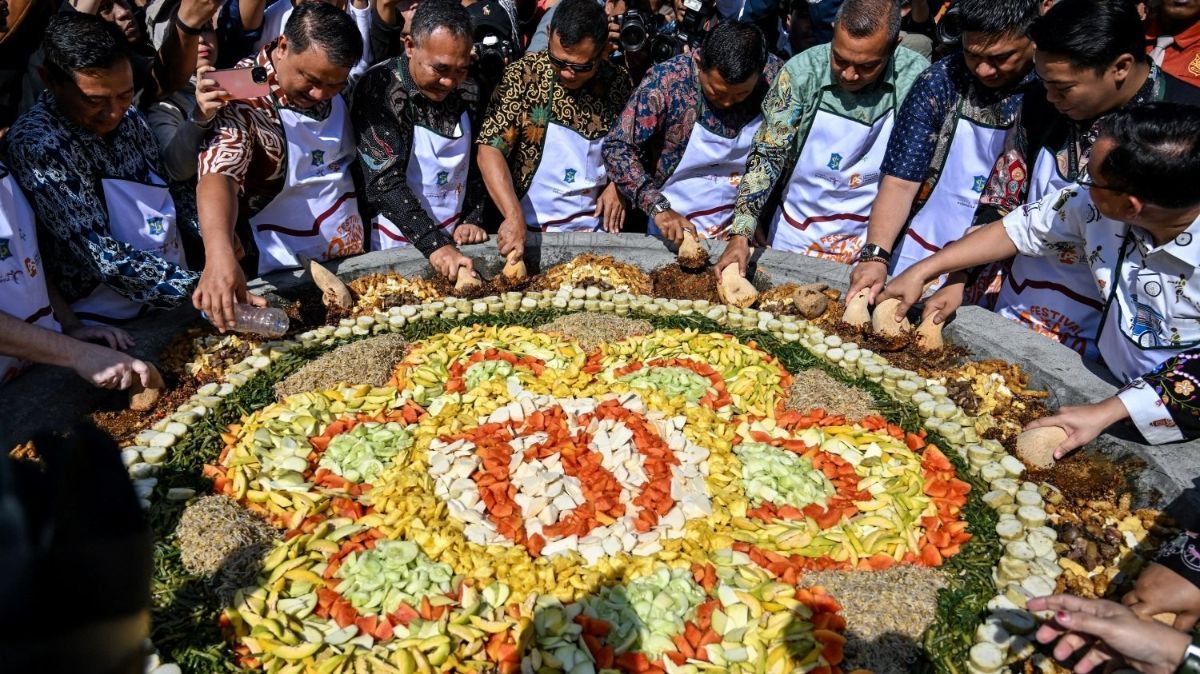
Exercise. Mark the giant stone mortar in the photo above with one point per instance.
(52, 397)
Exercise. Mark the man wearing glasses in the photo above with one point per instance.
(540, 145)
(1136, 221)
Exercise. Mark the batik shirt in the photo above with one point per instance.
(386, 107)
(654, 129)
(521, 110)
(804, 86)
(60, 167)
(924, 128)
(245, 141)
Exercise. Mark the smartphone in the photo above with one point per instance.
(241, 83)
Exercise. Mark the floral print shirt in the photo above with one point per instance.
(648, 141)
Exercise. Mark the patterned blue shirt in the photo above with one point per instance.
(60, 166)
(920, 140)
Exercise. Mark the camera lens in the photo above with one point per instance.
(949, 29)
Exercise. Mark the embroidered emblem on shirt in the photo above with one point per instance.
(569, 176)
(5, 251)
(155, 225)
(443, 177)
(318, 157)
(835, 161)
(980, 181)
(1194, 66)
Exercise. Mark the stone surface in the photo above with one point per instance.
(1170, 468)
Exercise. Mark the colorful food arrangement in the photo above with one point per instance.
(584, 478)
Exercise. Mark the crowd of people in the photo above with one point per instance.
(1039, 158)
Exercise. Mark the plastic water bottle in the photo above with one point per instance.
(264, 321)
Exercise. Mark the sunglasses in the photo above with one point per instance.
(573, 67)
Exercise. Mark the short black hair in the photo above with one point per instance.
(1090, 33)
(434, 15)
(864, 18)
(577, 20)
(75, 42)
(736, 49)
(998, 17)
(1157, 153)
(326, 26)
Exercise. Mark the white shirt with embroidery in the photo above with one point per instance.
(1151, 293)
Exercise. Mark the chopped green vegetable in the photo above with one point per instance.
(781, 477)
(362, 453)
(376, 581)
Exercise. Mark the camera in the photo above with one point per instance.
(635, 29)
(690, 30)
(494, 46)
(949, 28)
(492, 53)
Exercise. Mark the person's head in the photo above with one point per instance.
(120, 14)
(1145, 164)
(438, 46)
(1089, 55)
(865, 35)
(320, 44)
(732, 58)
(578, 33)
(87, 70)
(1176, 16)
(994, 39)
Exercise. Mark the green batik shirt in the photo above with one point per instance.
(805, 85)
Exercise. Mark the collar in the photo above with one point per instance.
(1184, 40)
(1185, 247)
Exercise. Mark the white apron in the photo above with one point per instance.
(141, 215)
(567, 183)
(22, 281)
(437, 176)
(1134, 334)
(950, 209)
(705, 183)
(1054, 296)
(828, 199)
(315, 215)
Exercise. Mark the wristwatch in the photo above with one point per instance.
(1191, 658)
(874, 253)
(660, 206)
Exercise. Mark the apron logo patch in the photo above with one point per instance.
(980, 182)
(735, 179)
(835, 161)
(856, 181)
(5, 251)
(155, 225)
(31, 267)
(569, 176)
(443, 177)
(318, 157)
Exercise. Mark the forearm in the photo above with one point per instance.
(34, 343)
(498, 179)
(251, 13)
(763, 169)
(177, 57)
(890, 211)
(217, 206)
(986, 244)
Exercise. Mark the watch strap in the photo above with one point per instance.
(1191, 657)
